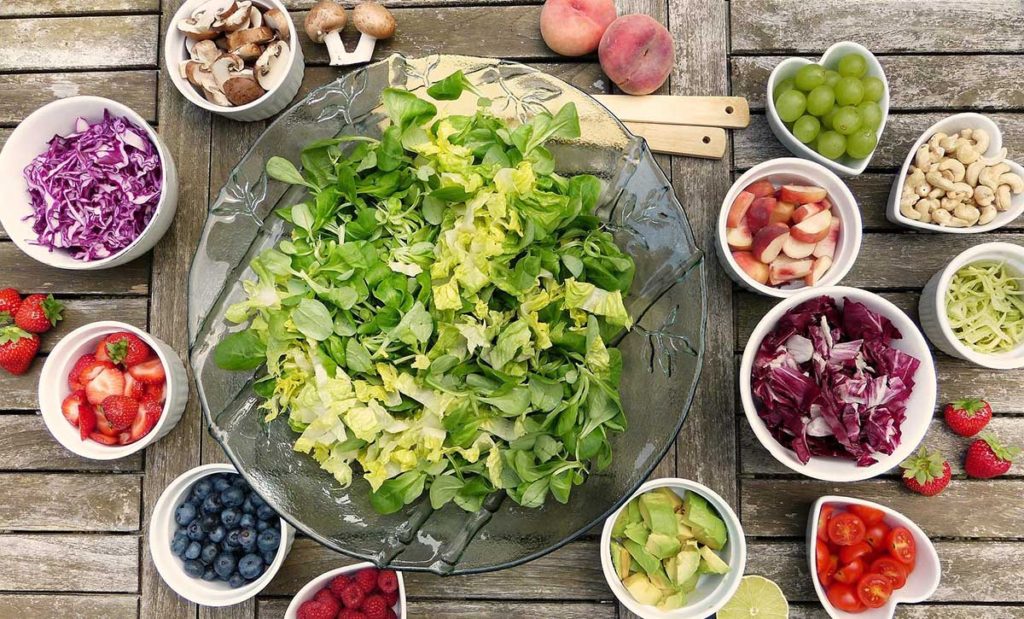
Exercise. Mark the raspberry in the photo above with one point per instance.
(392, 614)
(325, 597)
(367, 579)
(387, 581)
(391, 597)
(352, 596)
(348, 613)
(315, 610)
(338, 584)
(375, 607)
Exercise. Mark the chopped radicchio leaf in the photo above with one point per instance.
(827, 381)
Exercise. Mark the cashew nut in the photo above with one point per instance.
(1015, 182)
(973, 171)
(937, 193)
(950, 143)
(961, 191)
(981, 140)
(956, 222)
(907, 208)
(955, 168)
(942, 217)
(949, 203)
(983, 196)
(935, 140)
(989, 177)
(966, 133)
(988, 213)
(923, 157)
(968, 213)
(967, 154)
(926, 208)
(923, 189)
(936, 179)
(994, 159)
(1003, 197)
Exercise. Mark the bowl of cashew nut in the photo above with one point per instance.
(958, 179)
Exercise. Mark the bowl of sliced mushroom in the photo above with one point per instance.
(957, 178)
(238, 58)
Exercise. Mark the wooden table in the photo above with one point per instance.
(73, 540)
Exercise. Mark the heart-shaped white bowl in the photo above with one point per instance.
(845, 165)
(314, 586)
(921, 583)
(950, 125)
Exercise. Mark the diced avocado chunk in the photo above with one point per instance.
(625, 518)
(633, 511)
(683, 530)
(637, 532)
(675, 499)
(640, 587)
(686, 565)
(661, 517)
(662, 546)
(672, 602)
(645, 561)
(621, 560)
(707, 527)
(660, 580)
(690, 583)
(711, 563)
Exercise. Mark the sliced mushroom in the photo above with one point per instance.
(216, 97)
(272, 66)
(276, 19)
(222, 43)
(198, 29)
(183, 67)
(237, 20)
(205, 52)
(255, 17)
(239, 38)
(242, 90)
(248, 52)
(225, 67)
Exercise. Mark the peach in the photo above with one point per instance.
(814, 228)
(739, 238)
(782, 212)
(827, 245)
(575, 27)
(798, 194)
(760, 213)
(636, 52)
(797, 249)
(739, 209)
(768, 242)
(804, 211)
(761, 188)
(784, 269)
(818, 269)
(757, 270)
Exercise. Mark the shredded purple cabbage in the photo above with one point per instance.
(827, 381)
(94, 191)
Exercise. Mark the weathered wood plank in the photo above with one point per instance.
(64, 43)
(4, 134)
(923, 611)
(915, 82)
(13, 8)
(28, 276)
(882, 25)
(756, 143)
(461, 609)
(40, 562)
(26, 445)
(22, 392)
(80, 312)
(975, 572)
(68, 606)
(26, 92)
(62, 502)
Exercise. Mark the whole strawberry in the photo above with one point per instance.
(987, 457)
(969, 416)
(926, 473)
(120, 411)
(17, 349)
(126, 348)
(38, 313)
(10, 301)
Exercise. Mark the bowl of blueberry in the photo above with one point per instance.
(214, 540)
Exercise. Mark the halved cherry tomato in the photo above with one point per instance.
(892, 569)
(842, 597)
(851, 572)
(901, 545)
(827, 571)
(823, 518)
(821, 554)
(869, 515)
(846, 529)
(852, 553)
(876, 535)
(874, 590)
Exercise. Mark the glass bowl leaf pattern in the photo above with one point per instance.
(662, 353)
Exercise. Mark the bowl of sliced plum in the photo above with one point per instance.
(786, 225)
(109, 389)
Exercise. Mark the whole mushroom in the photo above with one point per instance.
(326, 20)
(324, 23)
(374, 22)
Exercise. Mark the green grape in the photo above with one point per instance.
(826, 120)
(821, 100)
(847, 120)
(860, 143)
(791, 105)
(831, 145)
(832, 78)
(783, 86)
(806, 128)
(874, 88)
(870, 115)
(810, 77)
(849, 91)
(852, 65)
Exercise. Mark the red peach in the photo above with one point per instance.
(814, 228)
(798, 194)
(760, 213)
(818, 270)
(739, 238)
(804, 211)
(761, 188)
(738, 209)
(784, 269)
(575, 27)
(637, 53)
(827, 245)
(782, 212)
(797, 249)
(758, 271)
(768, 242)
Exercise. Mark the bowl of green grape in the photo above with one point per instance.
(832, 111)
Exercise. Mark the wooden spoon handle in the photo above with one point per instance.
(685, 140)
(729, 112)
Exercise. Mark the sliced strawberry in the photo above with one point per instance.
(124, 438)
(71, 407)
(101, 351)
(156, 393)
(133, 388)
(102, 425)
(146, 420)
(103, 438)
(109, 381)
(92, 370)
(86, 420)
(76, 372)
(151, 371)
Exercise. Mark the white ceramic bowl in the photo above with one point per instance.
(53, 388)
(932, 306)
(712, 591)
(309, 591)
(30, 139)
(921, 583)
(271, 103)
(170, 567)
(950, 125)
(792, 171)
(920, 406)
(845, 165)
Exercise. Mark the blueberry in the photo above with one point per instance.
(231, 541)
(194, 569)
(210, 522)
(236, 581)
(224, 564)
(262, 525)
(239, 482)
(210, 552)
(265, 512)
(268, 540)
(195, 531)
(193, 550)
(217, 535)
(179, 544)
(247, 520)
(212, 504)
(248, 507)
(230, 517)
(232, 497)
(221, 484)
(209, 574)
(247, 539)
(202, 489)
(185, 514)
(250, 566)
(268, 557)
(256, 499)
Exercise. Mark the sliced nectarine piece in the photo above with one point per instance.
(738, 210)
(760, 213)
(799, 194)
(804, 211)
(761, 188)
(818, 270)
(739, 238)
(827, 245)
(782, 213)
(768, 242)
(784, 269)
(797, 249)
(814, 228)
(757, 270)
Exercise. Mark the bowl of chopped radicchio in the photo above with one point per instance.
(838, 384)
(87, 184)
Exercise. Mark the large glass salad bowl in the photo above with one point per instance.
(662, 352)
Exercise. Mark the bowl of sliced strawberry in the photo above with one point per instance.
(109, 389)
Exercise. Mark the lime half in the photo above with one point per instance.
(756, 597)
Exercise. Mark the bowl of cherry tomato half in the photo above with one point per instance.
(866, 558)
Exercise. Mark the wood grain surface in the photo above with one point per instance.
(61, 502)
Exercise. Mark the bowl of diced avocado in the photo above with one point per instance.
(675, 550)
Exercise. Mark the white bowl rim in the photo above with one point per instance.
(92, 450)
(173, 492)
(897, 597)
(1000, 361)
(118, 109)
(726, 587)
(872, 61)
(926, 372)
(318, 582)
(852, 230)
(174, 38)
(979, 121)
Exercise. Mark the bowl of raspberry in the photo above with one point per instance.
(354, 591)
